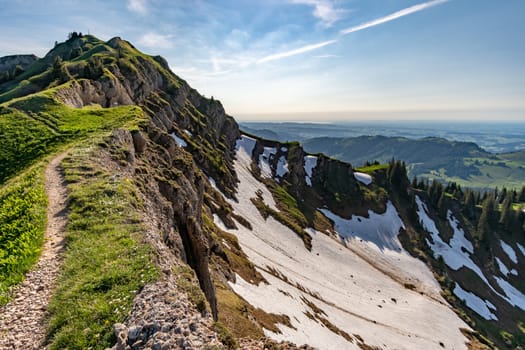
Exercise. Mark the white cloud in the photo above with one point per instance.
(297, 51)
(154, 40)
(138, 6)
(324, 10)
(393, 16)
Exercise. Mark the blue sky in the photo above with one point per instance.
(311, 59)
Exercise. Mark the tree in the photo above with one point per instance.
(506, 215)
(469, 204)
(486, 220)
(521, 197)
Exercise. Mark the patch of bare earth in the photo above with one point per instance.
(22, 320)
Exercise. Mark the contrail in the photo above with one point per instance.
(393, 16)
(401, 13)
(294, 52)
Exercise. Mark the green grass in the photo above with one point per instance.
(372, 168)
(104, 263)
(38, 124)
(22, 223)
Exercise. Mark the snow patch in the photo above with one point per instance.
(380, 229)
(515, 297)
(475, 303)
(458, 239)
(310, 162)
(509, 251)
(179, 141)
(364, 178)
(282, 167)
(264, 161)
(188, 132)
(502, 267)
(521, 248)
(452, 253)
(245, 145)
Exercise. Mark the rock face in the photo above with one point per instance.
(9, 63)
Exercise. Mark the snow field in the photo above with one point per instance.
(356, 296)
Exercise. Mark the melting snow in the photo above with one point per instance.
(245, 145)
(264, 161)
(515, 297)
(355, 295)
(310, 162)
(502, 267)
(282, 167)
(455, 257)
(480, 306)
(380, 229)
(179, 141)
(364, 178)
(509, 251)
(243, 165)
(521, 248)
(452, 253)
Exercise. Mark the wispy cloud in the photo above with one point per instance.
(138, 6)
(155, 40)
(297, 51)
(405, 12)
(324, 10)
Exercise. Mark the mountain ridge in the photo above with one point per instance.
(209, 197)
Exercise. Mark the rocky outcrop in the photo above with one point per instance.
(9, 63)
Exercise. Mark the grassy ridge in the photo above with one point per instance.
(23, 206)
(36, 125)
(30, 129)
(105, 264)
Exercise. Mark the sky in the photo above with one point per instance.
(311, 59)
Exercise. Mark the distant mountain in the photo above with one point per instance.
(430, 157)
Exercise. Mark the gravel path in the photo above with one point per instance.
(22, 320)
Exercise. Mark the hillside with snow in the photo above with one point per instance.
(350, 288)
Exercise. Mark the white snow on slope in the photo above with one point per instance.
(458, 239)
(310, 162)
(455, 257)
(282, 167)
(521, 248)
(502, 267)
(264, 161)
(452, 253)
(355, 295)
(179, 141)
(364, 178)
(380, 229)
(478, 305)
(509, 251)
(515, 297)
(243, 162)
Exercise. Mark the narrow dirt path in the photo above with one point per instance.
(22, 320)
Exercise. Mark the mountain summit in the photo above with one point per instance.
(184, 232)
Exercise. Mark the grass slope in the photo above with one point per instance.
(23, 206)
(105, 264)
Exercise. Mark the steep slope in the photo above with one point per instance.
(183, 232)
